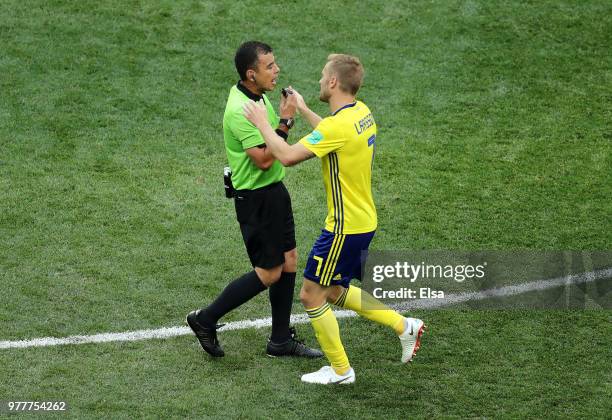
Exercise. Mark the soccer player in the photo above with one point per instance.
(344, 141)
(263, 209)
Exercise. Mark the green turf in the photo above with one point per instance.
(474, 364)
(494, 133)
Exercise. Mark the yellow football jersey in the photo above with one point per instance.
(345, 142)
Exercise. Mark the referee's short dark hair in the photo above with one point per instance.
(247, 54)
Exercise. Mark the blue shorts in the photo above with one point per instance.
(335, 259)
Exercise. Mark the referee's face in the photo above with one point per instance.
(266, 74)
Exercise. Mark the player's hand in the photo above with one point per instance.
(255, 112)
(287, 105)
(299, 100)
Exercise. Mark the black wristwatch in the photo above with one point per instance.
(289, 122)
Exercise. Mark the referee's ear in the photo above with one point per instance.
(250, 75)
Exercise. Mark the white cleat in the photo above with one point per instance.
(410, 339)
(328, 376)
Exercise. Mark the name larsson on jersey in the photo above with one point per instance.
(364, 123)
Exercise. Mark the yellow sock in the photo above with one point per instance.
(371, 308)
(327, 332)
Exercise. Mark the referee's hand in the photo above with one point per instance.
(288, 104)
(256, 113)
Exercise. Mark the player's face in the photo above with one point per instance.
(324, 93)
(266, 74)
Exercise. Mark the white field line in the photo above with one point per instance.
(450, 299)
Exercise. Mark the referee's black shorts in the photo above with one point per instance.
(266, 223)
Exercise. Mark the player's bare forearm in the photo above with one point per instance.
(310, 116)
(287, 155)
(276, 144)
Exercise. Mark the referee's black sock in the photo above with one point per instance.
(281, 300)
(235, 294)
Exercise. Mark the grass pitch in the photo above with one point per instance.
(494, 127)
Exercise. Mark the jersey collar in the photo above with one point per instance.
(248, 93)
(345, 106)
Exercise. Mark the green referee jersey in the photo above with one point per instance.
(239, 134)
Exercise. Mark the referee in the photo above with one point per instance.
(263, 209)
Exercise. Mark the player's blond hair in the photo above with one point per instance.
(348, 70)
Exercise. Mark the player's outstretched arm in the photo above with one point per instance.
(310, 116)
(288, 155)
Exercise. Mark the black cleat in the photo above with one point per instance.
(292, 347)
(207, 336)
